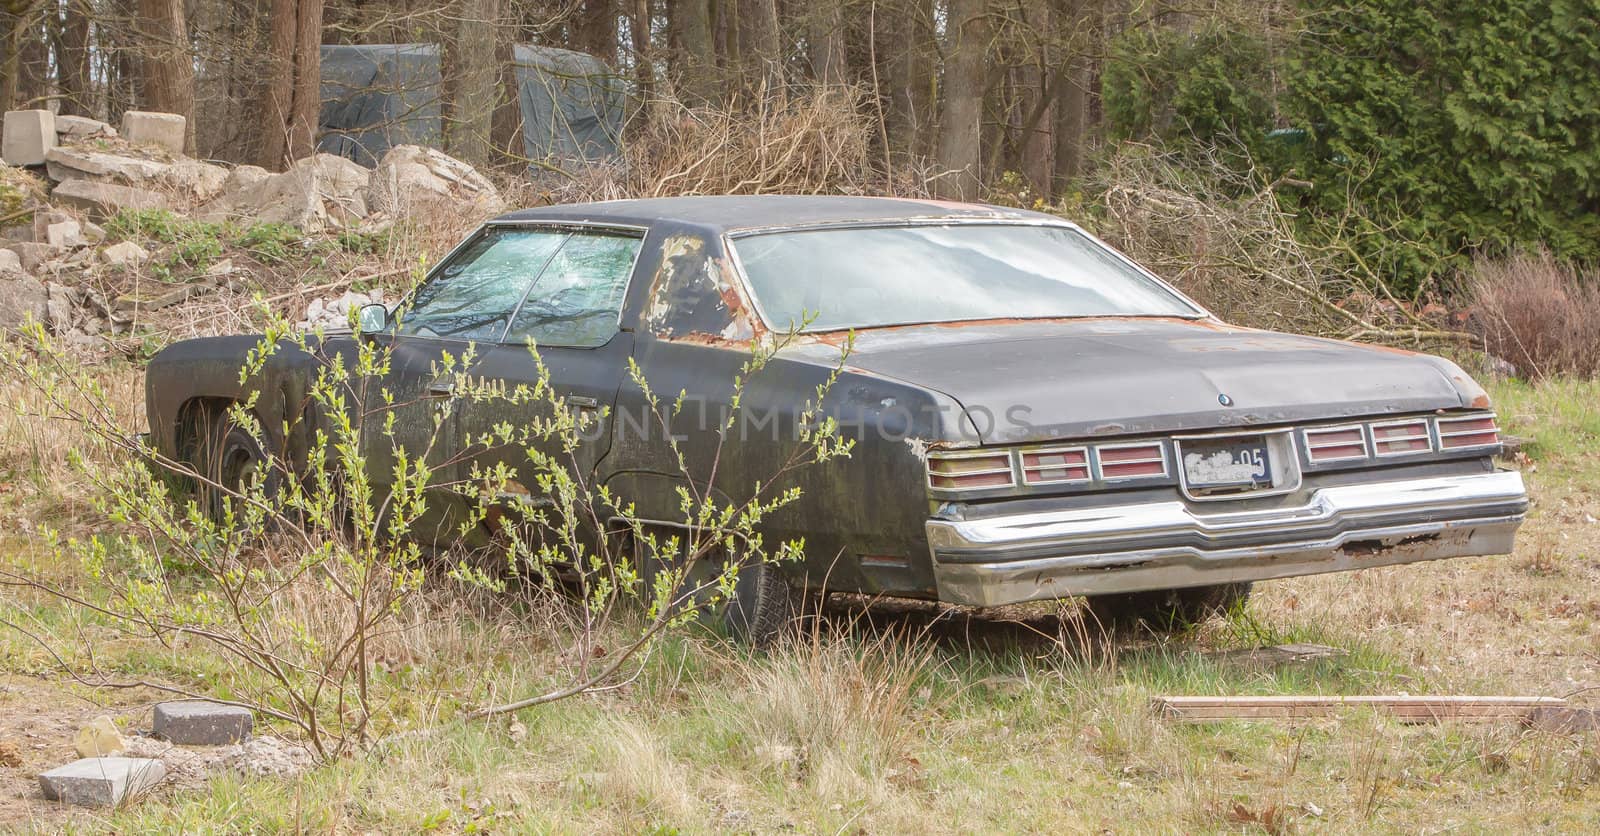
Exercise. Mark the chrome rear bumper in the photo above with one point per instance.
(993, 561)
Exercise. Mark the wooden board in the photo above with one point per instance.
(1404, 709)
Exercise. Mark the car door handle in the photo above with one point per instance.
(441, 390)
(583, 401)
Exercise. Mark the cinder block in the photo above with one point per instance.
(199, 722)
(101, 782)
(142, 127)
(29, 134)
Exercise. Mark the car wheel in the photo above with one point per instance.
(760, 610)
(233, 459)
(1167, 610)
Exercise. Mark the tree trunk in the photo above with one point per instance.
(73, 58)
(825, 41)
(960, 127)
(307, 80)
(168, 67)
(469, 82)
(596, 29)
(905, 47)
(279, 99)
(1071, 121)
(507, 128)
(294, 83)
(760, 43)
(643, 70)
(694, 53)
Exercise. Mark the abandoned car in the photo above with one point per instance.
(1035, 416)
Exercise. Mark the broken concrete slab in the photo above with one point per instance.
(411, 179)
(28, 135)
(32, 254)
(79, 163)
(107, 199)
(10, 262)
(202, 722)
(81, 127)
(126, 252)
(128, 305)
(317, 193)
(21, 299)
(164, 130)
(101, 782)
(64, 235)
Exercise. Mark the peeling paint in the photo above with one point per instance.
(693, 297)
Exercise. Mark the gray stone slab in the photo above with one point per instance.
(142, 127)
(202, 723)
(106, 199)
(27, 136)
(101, 782)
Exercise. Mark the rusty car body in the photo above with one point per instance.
(1107, 439)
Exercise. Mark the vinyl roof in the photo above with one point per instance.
(731, 213)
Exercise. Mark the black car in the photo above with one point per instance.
(1035, 416)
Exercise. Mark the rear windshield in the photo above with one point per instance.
(879, 276)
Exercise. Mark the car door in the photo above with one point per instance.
(571, 318)
(462, 309)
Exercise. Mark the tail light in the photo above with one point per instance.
(970, 471)
(1335, 444)
(1401, 437)
(1131, 461)
(1054, 467)
(1470, 431)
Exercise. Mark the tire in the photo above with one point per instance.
(230, 459)
(761, 609)
(1167, 610)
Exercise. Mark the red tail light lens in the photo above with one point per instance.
(1054, 467)
(1401, 437)
(1334, 444)
(970, 471)
(1471, 431)
(1131, 461)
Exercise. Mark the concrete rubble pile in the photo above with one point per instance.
(65, 176)
(189, 742)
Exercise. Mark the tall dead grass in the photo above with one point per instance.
(1538, 314)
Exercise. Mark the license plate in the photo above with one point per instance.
(1227, 464)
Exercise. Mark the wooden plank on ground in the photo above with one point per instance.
(1405, 709)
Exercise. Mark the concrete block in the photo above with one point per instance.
(125, 252)
(64, 235)
(165, 130)
(101, 782)
(29, 135)
(32, 255)
(77, 127)
(199, 722)
(106, 199)
(10, 262)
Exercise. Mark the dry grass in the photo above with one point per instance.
(1537, 314)
(807, 141)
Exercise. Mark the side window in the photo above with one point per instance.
(577, 299)
(473, 295)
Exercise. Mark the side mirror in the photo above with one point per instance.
(373, 318)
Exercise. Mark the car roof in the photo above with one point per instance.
(733, 213)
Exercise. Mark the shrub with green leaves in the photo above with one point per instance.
(1447, 128)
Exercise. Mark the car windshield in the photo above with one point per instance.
(832, 279)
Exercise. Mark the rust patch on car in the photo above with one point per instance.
(694, 299)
